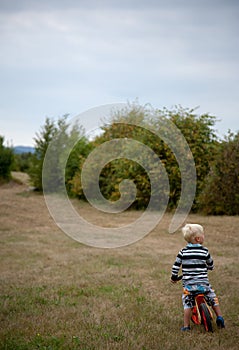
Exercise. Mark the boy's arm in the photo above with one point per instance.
(209, 262)
(176, 267)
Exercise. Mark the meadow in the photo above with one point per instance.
(56, 293)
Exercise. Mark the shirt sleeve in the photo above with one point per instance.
(209, 262)
(177, 264)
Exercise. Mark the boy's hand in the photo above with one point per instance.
(175, 278)
(172, 281)
(210, 268)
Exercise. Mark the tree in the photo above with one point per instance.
(6, 161)
(197, 130)
(123, 125)
(42, 141)
(220, 194)
(201, 138)
(57, 138)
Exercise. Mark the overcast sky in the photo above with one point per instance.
(67, 56)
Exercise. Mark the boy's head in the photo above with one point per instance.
(193, 233)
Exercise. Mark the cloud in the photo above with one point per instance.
(82, 33)
(65, 55)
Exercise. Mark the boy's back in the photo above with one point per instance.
(195, 260)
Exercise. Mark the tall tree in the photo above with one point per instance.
(42, 141)
(6, 161)
(66, 146)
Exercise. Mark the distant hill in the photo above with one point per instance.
(23, 149)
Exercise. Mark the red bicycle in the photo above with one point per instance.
(201, 312)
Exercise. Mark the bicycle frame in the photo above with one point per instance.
(201, 312)
(198, 312)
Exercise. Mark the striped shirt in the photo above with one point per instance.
(195, 261)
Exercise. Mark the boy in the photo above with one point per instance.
(195, 260)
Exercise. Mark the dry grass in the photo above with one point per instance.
(59, 294)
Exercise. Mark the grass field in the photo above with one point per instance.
(59, 294)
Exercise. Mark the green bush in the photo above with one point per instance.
(221, 190)
(197, 130)
(22, 162)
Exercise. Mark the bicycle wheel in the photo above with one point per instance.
(206, 318)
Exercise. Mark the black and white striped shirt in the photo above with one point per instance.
(196, 261)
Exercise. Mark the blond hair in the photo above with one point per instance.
(190, 231)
